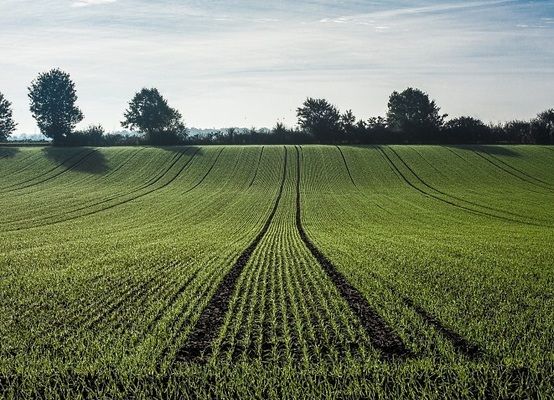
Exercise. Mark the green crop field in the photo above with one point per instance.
(277, 272)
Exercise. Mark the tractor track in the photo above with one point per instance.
(505, 167)
(347, 167)
(120, 166)
(197, 347)
(356, 186)
(39, 175)
(449, 195)
(49, 178)
(27, 165)
(380, 334)
(257, 168)
(397, 171)
(152, 182)
(460, 344)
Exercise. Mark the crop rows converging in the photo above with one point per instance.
(149, 260)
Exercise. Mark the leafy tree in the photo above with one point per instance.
(466, 130)
(7, 124)
(232, 134)
(94, 135)
(319, 118)
(542, 127)
(517, 132)
(348, 125)
(150, 114)
(53, 99)
(376, 131)
(412, 113)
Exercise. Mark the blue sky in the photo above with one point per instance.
(251, 63)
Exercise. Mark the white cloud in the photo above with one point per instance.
(414, 11)
(86, 3)
(248, 69)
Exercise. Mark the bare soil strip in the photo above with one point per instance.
(381, 335)
(198, 345)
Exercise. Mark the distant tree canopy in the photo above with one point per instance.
(150, 114)
(93, 135)
(7, 124)
(412, 112)
(465, 129)
(319, 118)
(542, 127)
(412, 117)
(53, 99)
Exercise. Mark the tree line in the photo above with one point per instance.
(412, 117)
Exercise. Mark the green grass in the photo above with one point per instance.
(108, 258)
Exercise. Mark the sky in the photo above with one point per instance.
(251, 63)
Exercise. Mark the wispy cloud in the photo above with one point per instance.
(252, 62)
(87, 3)
(414, 11)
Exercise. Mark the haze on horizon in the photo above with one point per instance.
(244, 63)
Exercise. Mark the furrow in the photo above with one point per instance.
(49, 178)
(505, 167)
(257, 168)
(118, 196)
(381, 335)
(198, 345)
(445, 201)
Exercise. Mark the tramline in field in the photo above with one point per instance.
(358, 271)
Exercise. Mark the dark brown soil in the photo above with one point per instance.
(198, 345)
(380, 334)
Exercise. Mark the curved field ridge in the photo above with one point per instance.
(277, 271)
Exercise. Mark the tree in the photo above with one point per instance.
(53, 99)
(319, 118)
(414, 115)
(466, 130)
(150, 114)
(518, 132)
(542, 127)
(232, 134)
(7, 124)
(93, 135)
(376, 131)
(348, 125)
